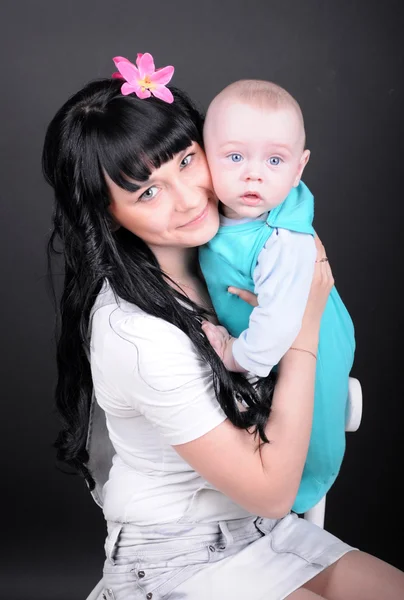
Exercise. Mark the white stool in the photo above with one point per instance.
(353, 418)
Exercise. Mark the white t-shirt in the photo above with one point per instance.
(156, 392)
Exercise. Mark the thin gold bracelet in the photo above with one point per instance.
(303, 350)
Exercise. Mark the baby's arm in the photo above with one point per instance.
(282, 280)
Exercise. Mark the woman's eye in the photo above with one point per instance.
(185, 161)
(275, 161)
(149, 194)
(236, 157)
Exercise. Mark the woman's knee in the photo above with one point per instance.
(358, 576)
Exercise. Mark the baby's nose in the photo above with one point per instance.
(253, 176)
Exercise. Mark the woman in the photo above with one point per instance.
(133, 202)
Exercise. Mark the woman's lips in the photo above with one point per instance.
(197, 219)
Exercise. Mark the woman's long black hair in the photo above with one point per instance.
(99, 130)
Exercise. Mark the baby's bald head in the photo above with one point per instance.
(255, 144)
(257, 93)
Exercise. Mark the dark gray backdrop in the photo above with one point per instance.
(344, 63)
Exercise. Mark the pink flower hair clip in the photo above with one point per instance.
(144, 79)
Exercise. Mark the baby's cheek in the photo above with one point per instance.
(220, 181)
(224, 183)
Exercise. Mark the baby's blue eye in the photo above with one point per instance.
(236, 157)
(274, 161)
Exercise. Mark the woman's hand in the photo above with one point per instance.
(222, 342)
(218, 337)
(321, 286)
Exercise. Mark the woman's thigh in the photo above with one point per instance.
(358, 576)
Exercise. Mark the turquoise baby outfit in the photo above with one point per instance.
(230, 259)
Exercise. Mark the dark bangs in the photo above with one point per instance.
(135, 136)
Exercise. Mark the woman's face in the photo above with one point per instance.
(175, 207)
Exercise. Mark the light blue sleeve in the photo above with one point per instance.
(282, 280)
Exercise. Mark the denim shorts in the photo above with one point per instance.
(249, 558)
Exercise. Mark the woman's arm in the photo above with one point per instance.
(266, 482)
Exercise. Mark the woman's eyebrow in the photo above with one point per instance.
(186, 150)
(151, 180)
(142, 184)
(135, 183)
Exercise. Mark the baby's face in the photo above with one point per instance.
(255, 156)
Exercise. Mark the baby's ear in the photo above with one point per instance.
(302, 163)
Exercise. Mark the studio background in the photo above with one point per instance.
(344, 64)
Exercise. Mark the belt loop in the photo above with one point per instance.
(111, 541)
(225, 530)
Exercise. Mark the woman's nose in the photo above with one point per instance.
(187, 197)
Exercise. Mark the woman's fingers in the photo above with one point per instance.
(323, 269)
(216, 335)
(322, 278)
(245, 295)
(328, 273)
(319, 247)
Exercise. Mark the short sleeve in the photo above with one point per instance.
(163, 378)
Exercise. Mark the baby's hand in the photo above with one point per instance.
(222, 342)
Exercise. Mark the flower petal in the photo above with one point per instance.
(142, 93)
(162, 92)
(128, 70)
(116, 76)
(146, 65)
(162, 76)
(128, 88)
(139, 56)
(120, 59)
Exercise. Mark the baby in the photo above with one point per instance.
(255, 145)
